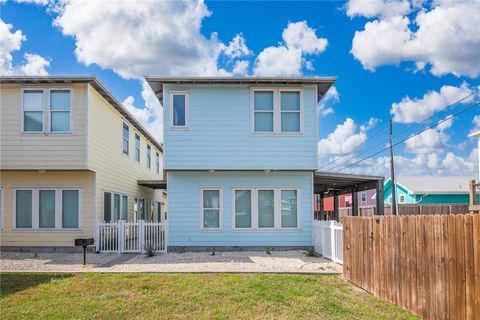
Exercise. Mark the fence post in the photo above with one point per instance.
(121, 235)
(97, 231)
(142, 236)
(332, 239)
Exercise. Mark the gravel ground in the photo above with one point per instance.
(277, 262)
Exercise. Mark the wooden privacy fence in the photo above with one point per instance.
(429, 265)
(409, 209)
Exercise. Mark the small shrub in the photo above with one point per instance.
(268, 250)
(311, 252)
(150, 250)
(213, 250)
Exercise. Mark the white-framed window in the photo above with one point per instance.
(212, 209)
(46, 208)
(137, 147)
(46, 110)
(265, 208)
(277, 111)
(179, 110)
(402, 198)
(115, 206)
(363, 196)
(126, 138)
(157, 162)
(149, 156)
(390, 199)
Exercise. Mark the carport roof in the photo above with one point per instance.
(330, 183)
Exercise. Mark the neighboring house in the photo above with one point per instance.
(428, 190)
(365, 199)
(71, 155)
(240, 157)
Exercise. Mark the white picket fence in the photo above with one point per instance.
(123, 236)
(328, 239)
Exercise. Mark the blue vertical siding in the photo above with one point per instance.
(219, 134)
(184, 208)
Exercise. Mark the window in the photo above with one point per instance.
(179, 110)
(115, 206)
(402, 198)
(60, 110)
(272, 208)
(141, 209)
(126, 138)
(211, 209)
(137, 147)
(263, 111)
(364, 196)
(290, 111)
(157, 162)
(33, 110)
(159, 212)
(277, 111)
(149, 156)
(47, 208)
(390, 199)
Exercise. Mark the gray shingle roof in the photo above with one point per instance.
(435, 184)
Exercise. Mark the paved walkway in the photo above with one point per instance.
(277, 262)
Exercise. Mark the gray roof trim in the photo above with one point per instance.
(96, 84)
(322, 83)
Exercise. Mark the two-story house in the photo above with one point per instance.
(240, 156)
(70, 156)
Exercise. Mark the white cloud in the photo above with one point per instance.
(374, 8)
(432, 140)
(476, 122)
(241, 67)
(418, 109)
(444, 36)
(237, 48)
(12, 41)
(344, 139)
(287, 59)
(328, 100)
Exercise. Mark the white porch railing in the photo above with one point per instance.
(123, 236)
(328, 239)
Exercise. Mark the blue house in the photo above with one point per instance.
(428, 190)
(240, 156)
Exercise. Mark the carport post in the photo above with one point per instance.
(335, 207)
(379, 198)
(320, 206)
(354, 203)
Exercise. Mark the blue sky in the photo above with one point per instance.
(392, 59)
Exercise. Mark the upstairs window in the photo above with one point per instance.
(157, 162)
(126, 138)
(137, 147)
(263, 111)
(179, 110)
(60, 110)
(33, 110)
(290, 111)
(149, 157)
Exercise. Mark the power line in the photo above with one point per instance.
(416, 134)
(396, 135)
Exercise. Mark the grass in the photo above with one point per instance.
(187, 296)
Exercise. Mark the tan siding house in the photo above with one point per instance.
(68, 159)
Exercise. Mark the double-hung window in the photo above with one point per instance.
(179, 110)
(277, 111)
(33, 107)
(60, 110)
(157, 162)
(265, 208)
(137, 147)
(363, 196)
(212, 215)
(149, 156)
(115, 206)
(47, 208)
(126, 138)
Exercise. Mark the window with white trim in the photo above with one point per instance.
(179, 110)
(157, 162)
(211, 215)
(126, 138)
(149, 156)
(33, 107)
(137, 147)
(265, 208)
(47, 208)
(115, 206)
(402, 198)
(277, 111)
(60, 110)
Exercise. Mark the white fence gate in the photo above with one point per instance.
(123, 236)
(328, 239)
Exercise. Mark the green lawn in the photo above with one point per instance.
(187, 296)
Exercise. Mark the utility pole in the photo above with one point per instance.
(392, 173)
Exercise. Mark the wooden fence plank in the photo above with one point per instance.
(452, 313)
(476, 262)
(468, 253)
(460, 268)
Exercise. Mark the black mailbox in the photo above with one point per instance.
(84, 243)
